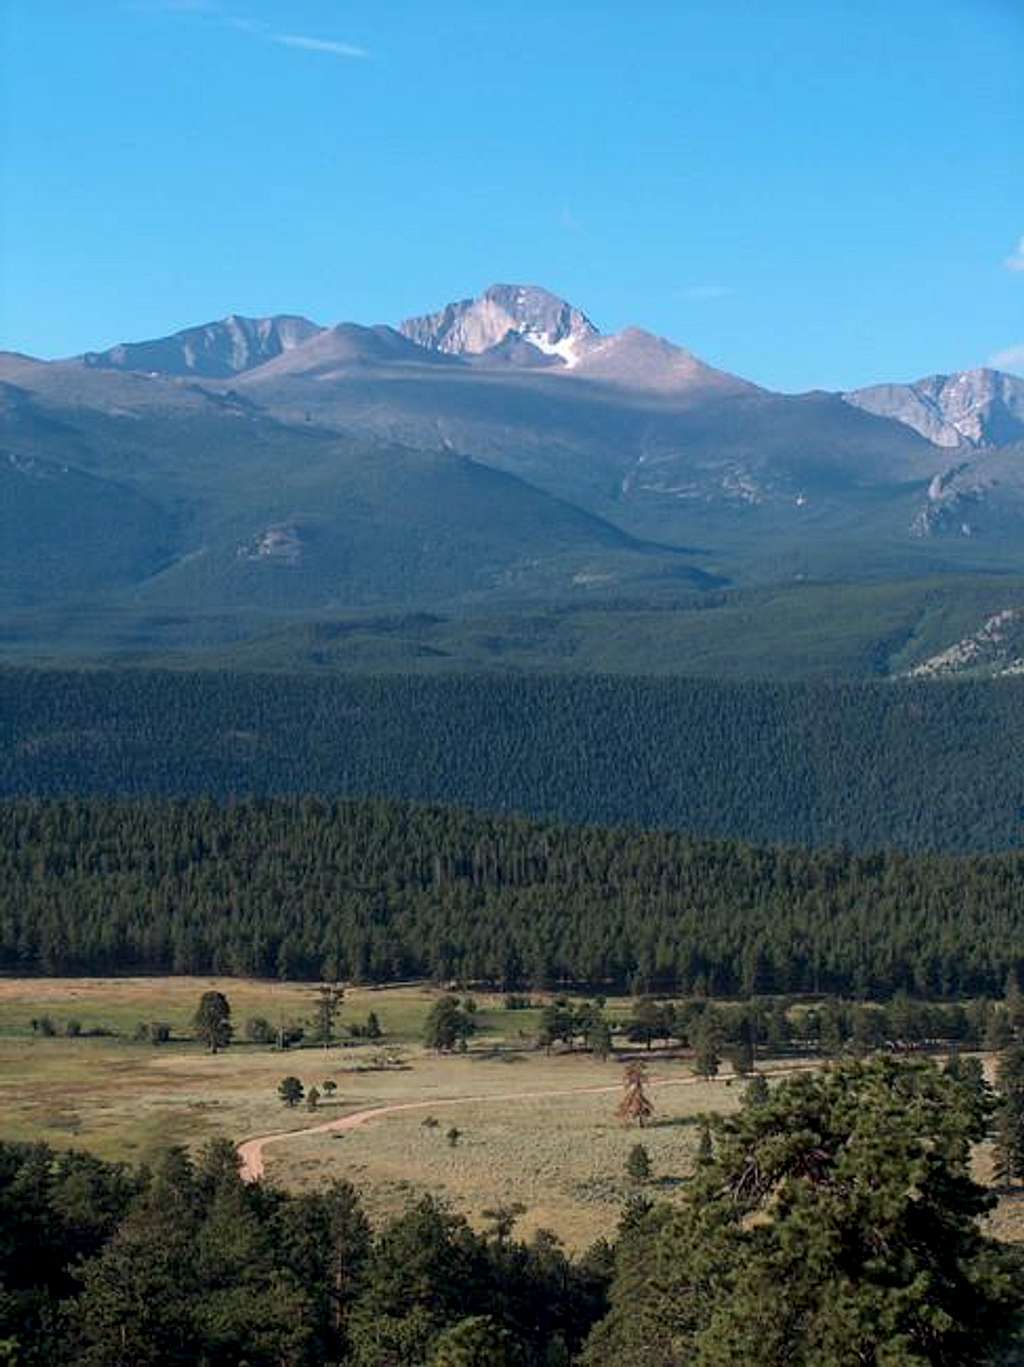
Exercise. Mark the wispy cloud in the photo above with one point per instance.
(568, 220)
(1010, 358)
(259, 28)
(319, 45)
(699, 292)
(1015, 261)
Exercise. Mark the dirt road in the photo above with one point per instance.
(250, 1152)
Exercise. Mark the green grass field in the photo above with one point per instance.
(561, 1153)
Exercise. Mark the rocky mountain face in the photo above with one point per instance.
(971, 409)
(995, 649)
(526, 327)
(212, 350)
(504, 313)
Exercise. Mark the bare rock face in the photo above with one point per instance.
(213, 350)
(526, 312)
(280, 544)
(973, 408)
(523, 326)
(996, 648)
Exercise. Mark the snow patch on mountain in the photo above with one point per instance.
(471, 327)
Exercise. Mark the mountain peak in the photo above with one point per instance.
(213, 350)
(525, 312)
(973, 408)
(637, 359)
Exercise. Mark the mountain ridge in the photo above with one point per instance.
(526, 327)
(213, 350)
(279, 469)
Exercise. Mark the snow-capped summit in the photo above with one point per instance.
(523, 312)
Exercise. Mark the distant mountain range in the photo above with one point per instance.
(525, 327)
(501, 450)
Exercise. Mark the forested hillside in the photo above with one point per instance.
(925, 765)
(379, 891)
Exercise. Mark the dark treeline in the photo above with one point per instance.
(379, 891)
(102, 1266)
(914, 766)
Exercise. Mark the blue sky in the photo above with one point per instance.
(810, 193)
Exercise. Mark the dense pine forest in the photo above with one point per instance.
(378, 891)
(922, 766)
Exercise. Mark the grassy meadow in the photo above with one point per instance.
(562, 1156)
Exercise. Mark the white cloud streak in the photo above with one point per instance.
(1015, 261)
(1010, 358)
(327, 45)
(257, 27)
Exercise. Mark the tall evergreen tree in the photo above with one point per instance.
(212, 1021)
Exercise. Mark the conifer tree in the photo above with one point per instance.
(291, 1091)
(636, 1107)
(706, 1048)
(212, 1021)
(329, 998)
(601, 1039)
(638, 1165)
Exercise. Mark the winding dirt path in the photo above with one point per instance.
(250, 1151)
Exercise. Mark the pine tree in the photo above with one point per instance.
(601, 1039)
(290, 1090)
(448, 1025)
(326, 1007)
(741, 1052)
(212, 1021)
(638, 1165)
(636, 1107)
(706, 1046)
